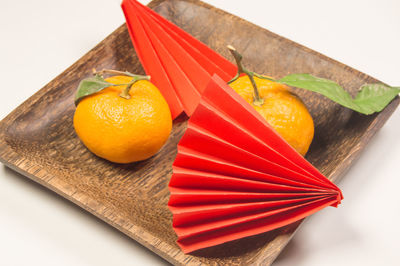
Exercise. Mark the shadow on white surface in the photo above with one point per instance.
(360, 226)
(88, 240)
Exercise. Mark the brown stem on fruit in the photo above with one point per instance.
(124, 93)
(116, 72)
(257, 100)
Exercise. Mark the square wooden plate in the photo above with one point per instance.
(38, 140)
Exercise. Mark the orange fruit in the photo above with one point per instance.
(124, 130)
(283, 110)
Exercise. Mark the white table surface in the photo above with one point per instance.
(39, 39)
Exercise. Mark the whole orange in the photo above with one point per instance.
(124, 130)
(283, 110)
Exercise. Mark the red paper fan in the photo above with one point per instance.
(234, 176)
(179, 65)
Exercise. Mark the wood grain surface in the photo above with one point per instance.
(38, 140)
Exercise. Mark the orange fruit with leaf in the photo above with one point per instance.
(287, 114)
(282, 109)
(274, 101)
(122, 119)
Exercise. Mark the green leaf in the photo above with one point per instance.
(89, 86)
(326, 87)
(374, 97)
(371, 98)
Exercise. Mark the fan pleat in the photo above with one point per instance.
(213, 62)
(179, 65)
(190, 230)
(184, 88)
(241, 137)
(235, 106)
(234, 176)
(189, 66)
(201, 140)
(194, 214)
(195, 160)
(185, 197)
(189, 178)
(236, 231)
(149, 59)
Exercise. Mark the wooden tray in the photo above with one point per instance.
(38, 140)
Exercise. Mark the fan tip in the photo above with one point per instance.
(339, 198)
(188, 248)
(123, 2)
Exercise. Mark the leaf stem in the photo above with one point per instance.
(257, 100)
(264, 77)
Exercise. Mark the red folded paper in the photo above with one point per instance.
(179, 64)
(234, 176)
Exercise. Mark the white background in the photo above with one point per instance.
(40, 38)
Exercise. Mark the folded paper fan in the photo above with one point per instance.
(179, 64)
(234, 176)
